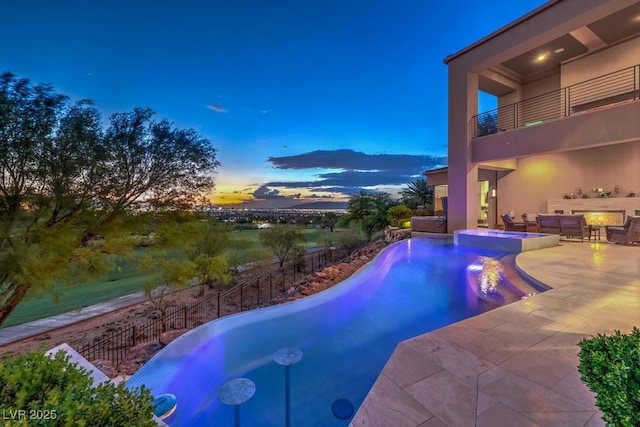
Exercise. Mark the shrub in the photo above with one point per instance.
(610, 366)
(350, 239)
(397, 214)
(36, 389)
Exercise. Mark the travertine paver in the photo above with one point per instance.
(516, 365)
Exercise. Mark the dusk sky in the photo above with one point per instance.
(304, 100)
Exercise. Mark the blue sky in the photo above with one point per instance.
(304, 100)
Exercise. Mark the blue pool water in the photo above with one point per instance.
(346, 335)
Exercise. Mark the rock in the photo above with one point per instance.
(306, 291)
(137, 356)
(167, 337)
(393, 234)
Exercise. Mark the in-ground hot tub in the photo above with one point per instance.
(507, 241)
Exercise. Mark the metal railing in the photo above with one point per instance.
(609, 89)
(249, 295)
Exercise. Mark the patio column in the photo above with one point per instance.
(462, 174)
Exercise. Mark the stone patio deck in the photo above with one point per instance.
(516, 365)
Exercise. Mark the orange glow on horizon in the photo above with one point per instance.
(229, 194)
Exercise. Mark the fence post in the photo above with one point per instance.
(241, 298)
(258, 284)
(218, 304)
(283, 279)
(184, 313)
(134, 335)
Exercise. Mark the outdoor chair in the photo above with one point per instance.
(509, 225)
(625, 235)
(530, 222)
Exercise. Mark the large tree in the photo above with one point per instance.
(71, 192)
(206, 251)
(369, 211)
(282, 241)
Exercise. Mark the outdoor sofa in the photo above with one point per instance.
(429, 224)
(564, 225)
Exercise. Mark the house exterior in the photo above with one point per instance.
(566, 132)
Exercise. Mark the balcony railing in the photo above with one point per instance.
(609, 89)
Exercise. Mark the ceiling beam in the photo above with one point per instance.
(588, 38)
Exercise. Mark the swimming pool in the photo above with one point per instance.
(346, 335)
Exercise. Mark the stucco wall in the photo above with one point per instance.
(541, 86)
(510, 98)
(541, 178)
(606, 61)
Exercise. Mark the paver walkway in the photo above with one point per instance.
(516, 365)
(24, 330)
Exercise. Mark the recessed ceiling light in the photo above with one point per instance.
(541, 57)
(637, 18)
(559, 50)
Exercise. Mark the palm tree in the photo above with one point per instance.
(418, 192)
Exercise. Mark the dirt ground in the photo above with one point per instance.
(87, 331)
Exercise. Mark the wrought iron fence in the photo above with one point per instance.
(251, 294)
(609, 89)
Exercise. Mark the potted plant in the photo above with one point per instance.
(610, 366)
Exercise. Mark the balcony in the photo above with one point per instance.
(615, 88)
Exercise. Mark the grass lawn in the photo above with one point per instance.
(124, 281)
(118, 283)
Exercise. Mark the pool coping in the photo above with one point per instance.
(507, 241)
(516, 365)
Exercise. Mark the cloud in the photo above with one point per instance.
(356, 170)
(265, 193)
(355, 160)
(216, 107)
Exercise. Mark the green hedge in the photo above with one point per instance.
(610, 366)
(36, 389)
